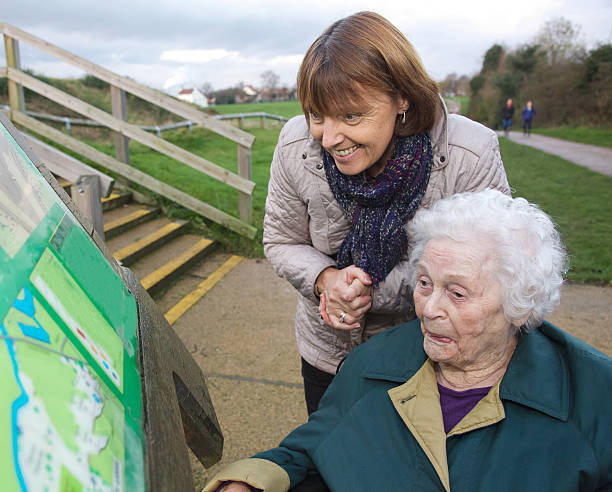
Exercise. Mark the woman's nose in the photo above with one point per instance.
(332, 134)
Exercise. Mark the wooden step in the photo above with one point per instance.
(115, 200)
(64, 183)
(117, 226)
(136, 250)
(159, 278)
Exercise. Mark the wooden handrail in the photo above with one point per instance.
(135, 175)
(146, 93)
(131, 131)
(124, 131)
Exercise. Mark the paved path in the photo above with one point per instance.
(599, 159)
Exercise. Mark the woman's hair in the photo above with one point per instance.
(365, 51)
(529, 259)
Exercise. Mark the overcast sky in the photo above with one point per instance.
(184, 43)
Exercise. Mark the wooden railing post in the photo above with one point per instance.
(13, 59)
(245, 200)
(85, 194)
(119, 105)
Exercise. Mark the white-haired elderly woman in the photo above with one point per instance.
(479, 393)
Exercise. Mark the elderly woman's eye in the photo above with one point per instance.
(457, 295)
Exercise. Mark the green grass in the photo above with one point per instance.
(601, 136)
(284, 108)
(578, 200)
(464, 101)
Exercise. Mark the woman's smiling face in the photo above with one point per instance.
(358, 139)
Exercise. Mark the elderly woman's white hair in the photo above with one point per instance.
(530, 257)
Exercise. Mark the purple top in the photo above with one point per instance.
(457, 404)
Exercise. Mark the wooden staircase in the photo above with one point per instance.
(176, 266)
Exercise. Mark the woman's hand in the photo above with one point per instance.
(345, 296)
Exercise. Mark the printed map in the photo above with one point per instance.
(70, 401)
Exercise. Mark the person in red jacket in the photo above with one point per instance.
(507, 114)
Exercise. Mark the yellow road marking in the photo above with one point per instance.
(158, 275)
(190, 299)
(145, 241)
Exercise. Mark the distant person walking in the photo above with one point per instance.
(527, 114)
(507, 114)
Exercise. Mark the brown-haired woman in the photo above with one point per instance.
(374, 145)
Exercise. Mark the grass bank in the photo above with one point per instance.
(284, 108)
(577, 198)
(601, 136)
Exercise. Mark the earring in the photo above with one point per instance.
(404, 118)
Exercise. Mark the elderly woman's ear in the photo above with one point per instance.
(519, 323)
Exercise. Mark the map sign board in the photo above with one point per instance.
(70, 389)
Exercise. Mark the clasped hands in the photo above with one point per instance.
(345, 296)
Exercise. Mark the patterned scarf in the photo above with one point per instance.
(379, 207)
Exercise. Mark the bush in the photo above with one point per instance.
(477, 83)
(94, 82)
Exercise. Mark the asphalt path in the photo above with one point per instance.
(598, 159)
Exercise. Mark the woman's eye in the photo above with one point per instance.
(423, 283)
(457, 295)
(351, 117)
(315, 116)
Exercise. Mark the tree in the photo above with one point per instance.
(449, 84)
(207, 89)
(269, 80)
(492, 58)
(598, 61)
(525, 59)
(560, 40)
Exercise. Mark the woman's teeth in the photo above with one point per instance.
(345, 152)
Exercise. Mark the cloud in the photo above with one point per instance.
(196, 56)
(231, 41)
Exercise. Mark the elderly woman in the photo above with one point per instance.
(477, 394)
(375, 144)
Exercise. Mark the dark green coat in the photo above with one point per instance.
(547, 426)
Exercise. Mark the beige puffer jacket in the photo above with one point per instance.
(304, 226)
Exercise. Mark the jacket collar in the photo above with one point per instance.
(439, 137)
(537, 376)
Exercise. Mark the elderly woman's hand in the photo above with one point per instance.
(345, 296)
(235, 487)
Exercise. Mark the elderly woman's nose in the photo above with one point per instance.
(432, 305)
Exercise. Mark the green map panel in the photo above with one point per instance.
(70, 394)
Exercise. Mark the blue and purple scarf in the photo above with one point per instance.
(379, 207)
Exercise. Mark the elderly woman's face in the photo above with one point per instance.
(459, 304)
(357, 140)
